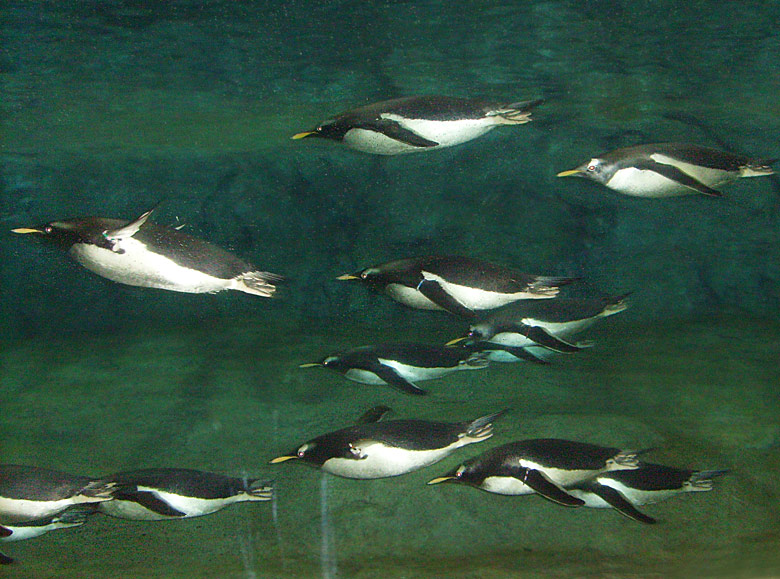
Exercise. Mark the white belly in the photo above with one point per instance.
(21, 510)
(646, 183)
(190, 506)
(139, 267)
(410, 373)
(24, 533)
(504, 485)
(384, 461)
(446, 133)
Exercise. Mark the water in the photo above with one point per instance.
(112, 107)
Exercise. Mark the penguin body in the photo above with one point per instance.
(143, 254)
(460, 285)
(420, 123)
(401, 365)
(155, 494)
(29, 493)
(668, 169)
(544, 466)
(374, 449)
(545, 323)
(623, 490)
(71, 517)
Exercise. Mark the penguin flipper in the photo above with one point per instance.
(396, 380)
(5, 559)
(621, 504)
(153, 503)
(541, 485)
(130, 229)
(5, 532)
(678, 176)
(523, 353)
(395, 131)
(374, 414)
(433, 290)
(546, 339)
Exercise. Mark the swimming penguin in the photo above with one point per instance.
(543, 465)
(541, 323)
(71, 517)
(459, 285)
(144, 254)
(420, 123)
(30, 493)
(623, 490)
(155, 494)
(373, 449)
(400, 365)
(668, 169)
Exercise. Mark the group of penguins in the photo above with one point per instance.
(512, 315)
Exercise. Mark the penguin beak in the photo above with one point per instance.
(310, 365)
(440, 479)
(26, 230)
(347, 277)
(285, 458)
(457, 341)
(303, 135)
(570, 173)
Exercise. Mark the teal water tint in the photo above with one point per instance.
(111, 107)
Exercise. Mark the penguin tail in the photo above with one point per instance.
(701, 480)
(75, 516)
(259, 283)
(515, 113)
(616, 304)
(547, 286)
(482, 427)
(757, 168)
(98, 491)
(260, 490)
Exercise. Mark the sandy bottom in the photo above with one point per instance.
(702, 393)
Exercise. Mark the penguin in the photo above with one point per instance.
(143, 254)
(545, 466)
(459, 285)
(543, 323)
(372, 449)
(400, 365)
(419, 123)
(669, 169)
(623, 490)
(30, 493)
(155, 494)
(71, 517)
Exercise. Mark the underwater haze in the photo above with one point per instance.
(112, 108)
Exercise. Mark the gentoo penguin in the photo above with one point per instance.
(148, 255)
(541, 322)
(419, 123)
(155, 494)
(373, 449)
(400, 365)
(71, 517)
(30, 493)
(668, 169)
(543, 465)
(623, 490)
(459, 285)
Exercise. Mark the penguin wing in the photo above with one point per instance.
(374, 414)
(5, 559)
(541, 485)
(394, 379)
(150, 501)
(519, 352)
(546, 339)
(395, 131)
(434, 291)
(620, 503)
(678, 176)
(5, 532)
(130, 229)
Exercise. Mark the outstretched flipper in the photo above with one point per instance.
(433, 290)
(541, 485)
(395, 131)
(678, 176)
(5, 532)
(546, 339)
(394, 379)
(374, 414)
(620, 503)
(130, 229)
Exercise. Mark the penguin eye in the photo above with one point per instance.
(591, 168)
(364, 274)
(48, 229)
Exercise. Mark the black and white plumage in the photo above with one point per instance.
(154, 494)
(373, 449)
(30, 493)
(140, 253)
(668, 169)
(400, 365)
(419, 123)
(518, 328)
(545, 466)
(71, 517)
(460, 285)
(624, 490)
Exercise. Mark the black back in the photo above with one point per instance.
(180, 481)
(38, 484)
(417, 355)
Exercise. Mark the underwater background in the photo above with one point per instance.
(109, 108)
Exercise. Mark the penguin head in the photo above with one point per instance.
(318, 451)
(464, 474)
(371, 276)
(596, 169)
(333, 129)
(62, 233)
